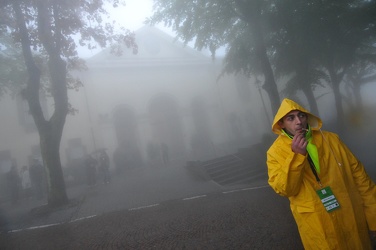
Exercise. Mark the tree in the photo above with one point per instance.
(236, 24)
(317, 43)
(48, 28)
(360, 73)
(313, 43)
(292, 39)
(346, 28)
(12, 68)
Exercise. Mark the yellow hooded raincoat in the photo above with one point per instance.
(290, 175)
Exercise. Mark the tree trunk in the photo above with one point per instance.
(305, 84)
(269, 85)
(357, 96)
(50, 132)
(50, 144)
(252, 15)
(338, 100)
(307, 90)
(51, 136)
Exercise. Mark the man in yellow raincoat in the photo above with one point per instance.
(332, 198)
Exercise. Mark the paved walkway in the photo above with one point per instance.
(164, 210)
(138, 188)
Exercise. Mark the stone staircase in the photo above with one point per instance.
(233, 169)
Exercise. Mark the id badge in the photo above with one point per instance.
(328, 199)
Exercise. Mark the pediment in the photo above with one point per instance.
(154, 46)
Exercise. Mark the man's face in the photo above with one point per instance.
(294, 122)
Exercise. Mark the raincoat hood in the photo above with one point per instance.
(287, 106)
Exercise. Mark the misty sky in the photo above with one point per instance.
(131, 17)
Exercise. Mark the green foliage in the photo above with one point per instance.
(237, 25)
(211, 25)
(46, 32)
(208, 23)
(12, 69)
(312, 43)
(71, 23)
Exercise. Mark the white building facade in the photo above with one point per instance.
(165, 96)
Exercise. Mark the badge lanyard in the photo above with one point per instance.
(326, 194)
(313, 168)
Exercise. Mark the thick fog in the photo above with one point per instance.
(161, 116)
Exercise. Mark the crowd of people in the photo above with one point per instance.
(98, 167)
(30, 182)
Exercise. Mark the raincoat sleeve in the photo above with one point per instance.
(366, 187)
(285, 171)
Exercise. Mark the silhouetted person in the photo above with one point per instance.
(36, 172)
(104, 167)
(14, 183)
(91, 170)
(165, 158)
(25, 181)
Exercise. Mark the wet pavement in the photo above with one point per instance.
(155, 209)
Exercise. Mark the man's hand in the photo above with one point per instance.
(372, 235)
(299, 144)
